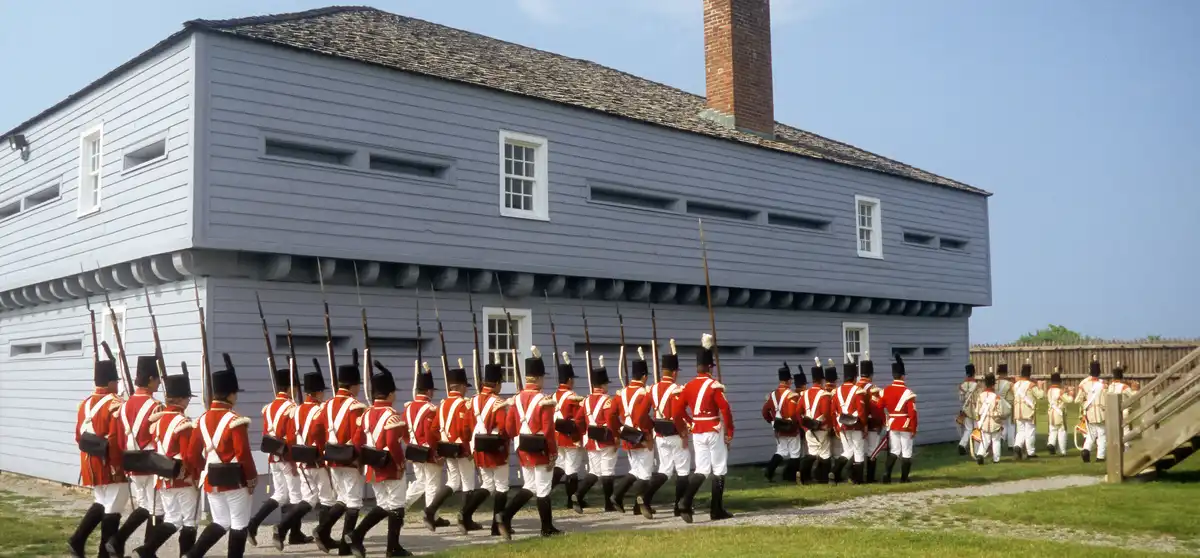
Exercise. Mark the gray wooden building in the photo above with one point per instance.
(228, 158)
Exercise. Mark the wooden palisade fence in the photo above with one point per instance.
(1158, 426)
(1143, 361)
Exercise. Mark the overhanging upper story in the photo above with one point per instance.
(237, 136)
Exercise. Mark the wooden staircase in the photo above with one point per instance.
(1157, 427)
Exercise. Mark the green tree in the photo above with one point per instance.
(1054, 335)
(1153, 338)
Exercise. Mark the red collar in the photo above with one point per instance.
(310, 399)
(219, 406)
(637, 384)
(421, 398)
(143, 391)
(380, 404)
(897, 382)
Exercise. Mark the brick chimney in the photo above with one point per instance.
(737, 65)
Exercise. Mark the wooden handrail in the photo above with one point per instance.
(1163, 377)
(1181, 385)
(1180, 402)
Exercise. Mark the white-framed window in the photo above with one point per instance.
(868, 226)
(523, 176)
(497, 344)
(856, 339)
(91, 167)
(106, 330)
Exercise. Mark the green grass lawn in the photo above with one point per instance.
(784, 541)
(26, 533)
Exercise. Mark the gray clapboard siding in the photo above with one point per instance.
(39, 394)
(144, 211)
(391, 311)
(259, 204)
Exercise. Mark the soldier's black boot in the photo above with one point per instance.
(1050, 448)
(905, 467)
(856, 473)
(870, 478)
(158, 535)
(606, 484)
(258, 518)
(518, 501)
(395, 523)
(290, 523)
(91, 519)
(557, 477)
(571, 482)
(237, 543)
(838, 464)
(657, 480)
(208, 538)
(115, 545)
(789, 470)
(323, 533)
(431, 508)
(187, 539)
(806, 469)
(355, 539)
(499, 501)
(622, 487)
(348, 524)
(962, 450)
(1086, 455)
(681, 488)
(471, 502)
(109, 525)
(887, 468)
(695, 481)
(772, 465)
(639, 497)
(546, 515)
(716, 508)
(588, 482)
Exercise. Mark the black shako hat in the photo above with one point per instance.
(314, 382)
(989, 380)
(382, 381)
(638, 370)
(178, 385)
(104, 372)
(866, 368)
(1002, 369)
(898, 366)
(1027, 370)
(670, 360)
(799, 379)
(424, 380)
(566, 372)
(1118, 373)
(830, 372)
(493, 373)
(147, 369)
(849, 371)
(457, 376)
(225, 381)
(970, 368)
(784, 373)
(1094, 368)
(704, 355)
(283, 379)
(348, 375)
(1055, 377)
(534, 367)
(600, 374)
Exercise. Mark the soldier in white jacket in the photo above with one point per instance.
(991, 410)
(1091, 396)
(1057, 398)
(968, 391)
(1025, 396)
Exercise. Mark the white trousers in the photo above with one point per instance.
(991, 440)
(285, 483)
(712, 454)
(872, 442)
(231, 509)
(426, 480)
(673, 458)
(179, 506)
(460, 473)
(964, 438)
(113, 496)
(900, 443)
(571, 460)
(787, 447)
(495, 479)
(1026, 436)
(1010, 432)
(854, 446)
(818, 444)
(601, 462)
(348, 484)
(390, 494)
(1058, 438)
(316, 488)
(538, 479)
(836, 445)
(143, 490)
(1096, 440)
(641, 463)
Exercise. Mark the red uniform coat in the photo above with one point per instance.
(104, 406)
(141, 400)
(784, 403)
(600, 410)
(704, 399)
(817, 403)
(421, 425)
(850, 403)
(349, 430)
(568, 405)
(538, 419)
(383, 420)
(234, 445)
(874, 404)
(278, 416)
(492, 420)
(901, 405)
(633, 409)
(459, 425)
(663, 398)
(178, 443)
(308, 427)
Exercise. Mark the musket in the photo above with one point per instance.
(475, 333)
(95, 338)
(587, 344)
(512, 342)
(420, 343)
(368, 368)
(124, 362)
(158, 352)
(270, 350)
(553, 332)
(654, 345)
(295, 388)
(621, 370)
(441, 337)
(205, 365)
(712, 319)
(328, 331)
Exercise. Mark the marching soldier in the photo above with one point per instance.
(875, 412)
(1025, 396)
(97, 424)
(423, 432)
(600, 440)
(836, 446)
(901, 405)
(457, 424)
(383, 456)
(1090, 396)
(803, 465)
(670, 433)
(712, 432)
(817, 409)
(781, 411)
(1057, 398)
(637, 437)
(968, 390)
(277, 429)
(569, 424)
(229, 475)
(991, 410)
(1118, 385)
(490, 440)
(135, 438)
(309, 435)
(1004, 390)
(343, 431)
(852, 423)
(531, 422)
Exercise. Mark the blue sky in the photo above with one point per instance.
(1082, 116)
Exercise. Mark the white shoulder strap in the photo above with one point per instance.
(131, 431)
(89, 412)
(414, 422)
(700, 396)
(445, 423)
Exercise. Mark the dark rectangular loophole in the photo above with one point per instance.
(953, 244)
(626, 197)
(722, 211)
(783, 351)
(410, 167)
(305, 152)
(796, 222)
(918, 238)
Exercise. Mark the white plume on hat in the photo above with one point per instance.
(831, 364)
(706, 341)
(817, 361)
(673, 349)
(850, 358)
(460, 365)
(641, 354)
(601, 361)
(537, 353)
(425, 365)
(566, 358)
